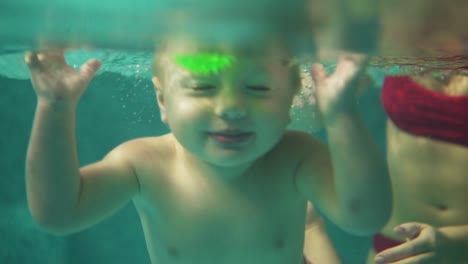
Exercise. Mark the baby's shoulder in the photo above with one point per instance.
(298, 145)
(299, 140)
(146, 148)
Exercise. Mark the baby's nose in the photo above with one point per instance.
(233, 114)
(231, 106)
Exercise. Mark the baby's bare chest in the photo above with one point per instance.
(203, 220)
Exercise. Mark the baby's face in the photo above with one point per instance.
(230, 115)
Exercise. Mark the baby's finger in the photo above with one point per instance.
(52, 58)
(32, 61)
(350, 65)
(56, 54)
(318, 73)
(357, 58)
(43, 60)
(89, 69)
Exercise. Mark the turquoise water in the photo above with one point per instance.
(119, 105)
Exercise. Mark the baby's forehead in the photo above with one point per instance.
(245, 53)
(195, 57)
(209, 61)
(215, 64)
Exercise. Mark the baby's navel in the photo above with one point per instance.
(279, 243)
(442, 207)
(173, 252)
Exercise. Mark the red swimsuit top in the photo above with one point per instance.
(425, 113)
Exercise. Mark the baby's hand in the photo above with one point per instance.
(54, 80)
(337, 93)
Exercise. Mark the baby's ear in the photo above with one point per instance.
(160, 98)
(156, 83)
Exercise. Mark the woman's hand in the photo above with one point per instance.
(424, 245)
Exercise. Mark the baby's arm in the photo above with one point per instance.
(61, 197)
(348, 181)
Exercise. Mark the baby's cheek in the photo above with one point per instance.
(280, 73)
(184, 106)
(278, 109)
(191, 108)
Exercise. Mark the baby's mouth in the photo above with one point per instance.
(231, 137)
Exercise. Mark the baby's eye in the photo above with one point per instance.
(258, 88)
(203, 87)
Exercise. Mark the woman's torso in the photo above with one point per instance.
(429, 177)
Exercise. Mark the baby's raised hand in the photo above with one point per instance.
(54, 80)
(337, 92)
